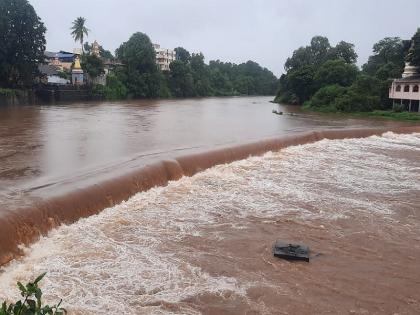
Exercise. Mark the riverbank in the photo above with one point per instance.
(17, 97)
(384, 114)
(49, 94)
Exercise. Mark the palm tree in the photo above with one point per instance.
(79, 30)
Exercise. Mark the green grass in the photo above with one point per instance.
(383, 114)
(392, 115)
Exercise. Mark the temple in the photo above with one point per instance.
(77, 77)
(404, 92)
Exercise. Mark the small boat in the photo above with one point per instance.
(277, 112)
(291, 251)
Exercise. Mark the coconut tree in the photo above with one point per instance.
(79, 30)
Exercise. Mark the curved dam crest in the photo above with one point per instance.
(26, 225)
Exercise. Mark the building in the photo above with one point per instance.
(164, 57)
(62, 60)
(96, 49)
(51, 75)
(405, 91)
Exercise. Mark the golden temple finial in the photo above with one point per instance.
(77, 63)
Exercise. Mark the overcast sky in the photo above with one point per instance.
(266, 31)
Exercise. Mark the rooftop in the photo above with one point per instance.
(411, 79)
(48, 69)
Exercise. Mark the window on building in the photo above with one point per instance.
(406, 88)
(416, 88)
(398, 89)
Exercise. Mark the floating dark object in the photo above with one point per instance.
(277, 112)
(291, 251)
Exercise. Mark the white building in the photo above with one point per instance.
(164, 57)
(405, 91)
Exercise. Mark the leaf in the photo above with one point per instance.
(21, 288)
(32, 304)
(3, 309)
(17, 307)
(39, 278)
(38, 294)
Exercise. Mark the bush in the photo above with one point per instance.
(32, 302)
(355, 102)
(326, 97)
(397, 108)
(362, 96)
(115, 88)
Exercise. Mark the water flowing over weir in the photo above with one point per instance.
(23, 226)
(202, 244)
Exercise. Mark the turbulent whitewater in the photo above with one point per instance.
(202, 244)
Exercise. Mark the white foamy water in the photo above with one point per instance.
(135, 258)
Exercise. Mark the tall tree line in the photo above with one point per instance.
(326, 78)
(189, 75)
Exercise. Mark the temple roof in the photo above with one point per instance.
(412, 79)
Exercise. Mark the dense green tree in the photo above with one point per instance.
(300, 83)
(315, 66)
(320, 47)
(140, 75)
(284, 94)
(414, 52)
(189, 75)
(389, 52)
(79, 30)
(92, 65)
(200, 73)
(301, 57)
(181, 79)
(344, 51)
(335, 72)
(182, 54)
(220, 79)
(387, 62)
(247, 79)
(22, 43)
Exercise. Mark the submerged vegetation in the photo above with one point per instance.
(325, 78)
(32, 302)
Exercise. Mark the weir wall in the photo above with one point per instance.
(26, 225)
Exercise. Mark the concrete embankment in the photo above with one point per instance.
(49, 94)
(23, 226)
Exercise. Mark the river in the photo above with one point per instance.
(47, 150)
(202, 244)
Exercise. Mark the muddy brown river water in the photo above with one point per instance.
(202, 244)
(50, 150)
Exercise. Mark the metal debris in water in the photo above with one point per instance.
(290, 251)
